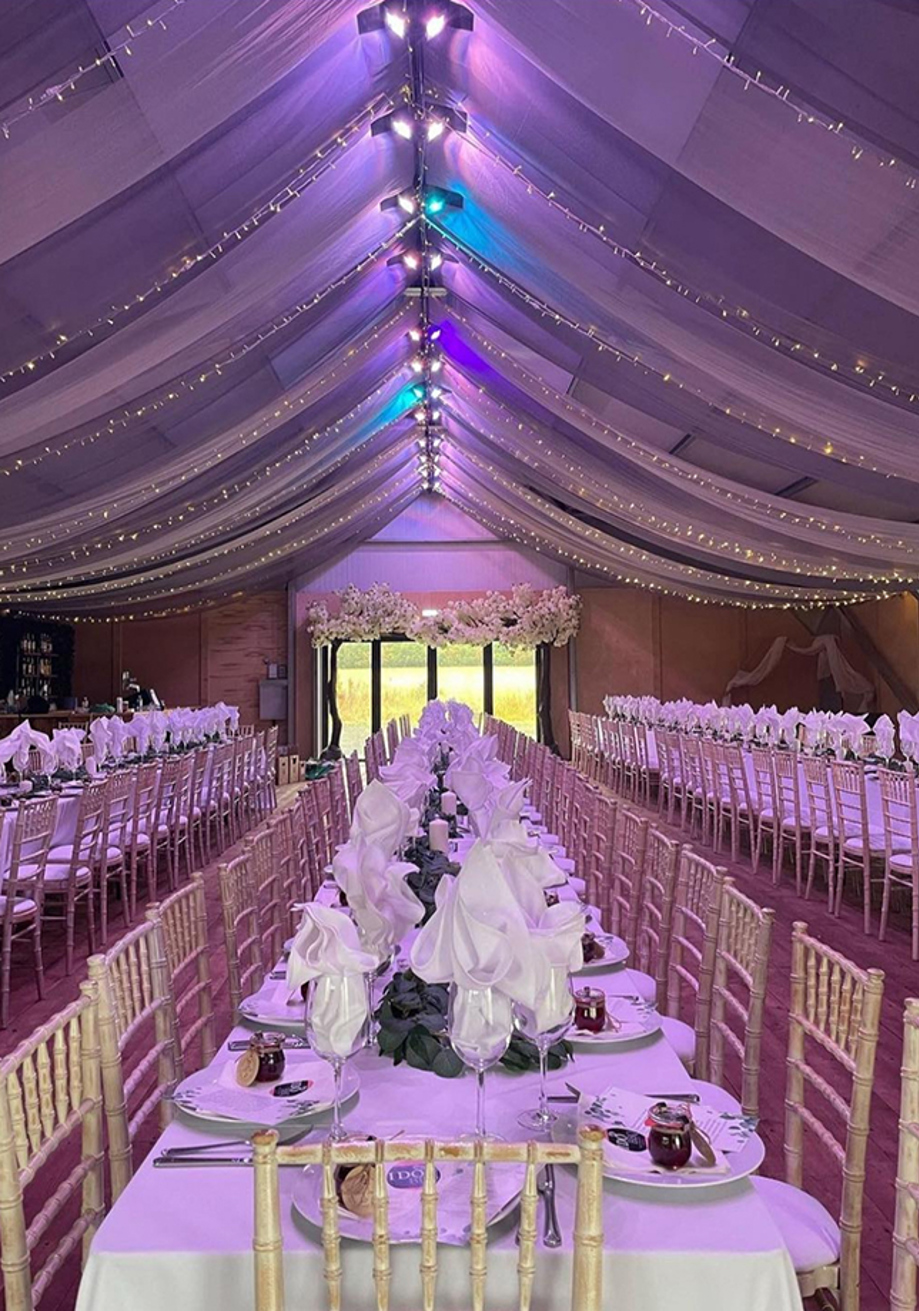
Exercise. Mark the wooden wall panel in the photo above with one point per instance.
(616, 646)
(241, 636)
(163, 654)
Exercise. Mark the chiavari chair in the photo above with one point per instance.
(220, 785)
(50, 1113)
(22, 899)
(670, 782)
(587, 1258)
(906, 1217)
(241, 928)
(598, 890)
(792, 820)
(691, 968)
(338, 799)
(655, 921)
(116, 824)
(819, 802)
(272, 912)
(371, 767)
(199, 847)
(626, 875)
(834, 1013)
(626, 732)
(301, 870)
(576, 740)
(73, 869)
(739, 991)
(354, 780)
(900, 809)
(252, 773)
(141, 848)
(608, 732)
(405, 725)
(268, 773)
(281, 834)
(695, 792)
(764, 789)
(392, 737)
(858, 842)
(183, 916)
(737, 801)
(172, 784)
(137, 1041)
(237, 790)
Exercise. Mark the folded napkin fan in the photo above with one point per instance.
(382, 904)
(326, 948)
(382, 817)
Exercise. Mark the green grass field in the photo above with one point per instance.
(405, 691)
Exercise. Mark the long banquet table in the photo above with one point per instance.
(182, 1237)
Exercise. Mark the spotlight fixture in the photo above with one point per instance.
(447, 14)
(435, 25)
(420, 416)
(435, 259)
(396, 22)
(403, 200)
(417, 364)
(434, 129)
(389, 17)
(411, 260)
(437, 199)
(414, 334)
(436, 366)
(394, 18)
(434, 333)
(399, 122)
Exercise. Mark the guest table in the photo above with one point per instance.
(182, 1237)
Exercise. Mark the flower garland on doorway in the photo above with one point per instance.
(523, 618)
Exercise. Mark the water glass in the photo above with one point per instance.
(545, 1025)
(480, 1023)
(337, 1027)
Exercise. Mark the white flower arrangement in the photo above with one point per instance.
(521, 618)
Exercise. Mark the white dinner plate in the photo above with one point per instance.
(739, 1149)
(503, 1181)
(615, 952)
(272, 1007)
(213, 1093)
(627, 1020)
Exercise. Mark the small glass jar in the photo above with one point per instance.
(271, 1058)
(551, 898)
(669, 1136)
(590, 1010)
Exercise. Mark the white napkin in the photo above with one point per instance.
(409, 775)
(523, 859)
(383, 818)
(884, 736)
(99, 733)
(68, 745)
(481, 1025)
(326, 948)
(381, 902)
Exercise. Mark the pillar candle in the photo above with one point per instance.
(439, 835)
(448, 803)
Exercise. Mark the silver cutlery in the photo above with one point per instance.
(193, 1149)
(161, 1162)
(551, 1235)
(289, 1042)
(690, 1097)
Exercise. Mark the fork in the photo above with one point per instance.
(545, 1186)
(220, 1143)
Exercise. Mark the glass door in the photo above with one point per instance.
(461, 675)
(514, 687)
(403, 680)
(354, 695)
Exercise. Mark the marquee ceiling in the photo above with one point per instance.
(678, 335)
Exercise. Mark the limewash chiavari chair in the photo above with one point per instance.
(906, 1218)
(137, 1040)
(626, 875)
(655, 923)
(900, 809)
(738, 799)
(172, 775)
(695, 799)
(354, 780)
(50, 1092)
(587, 1263)
(115, 863)
(281, 834)
(691, 967)
(764, 788)
(255, 757)
(300, 849)
(268, 773)
(626, 733)
(858, 842)
(598, 889)
(71, 870)
(739, 991)
(183, 917)
(792, 819)
(272, 912)
(608, 733)
(241, 929)
(220, 785)
(578, 747)
(236, 789)
(22, 900)
(670, 782)
(819, 802)
(198, 834)
(142, 847)
(405, 725)
(371, 762)
(392, 737)
(835, 1011)
(338, 798)
(315, 846)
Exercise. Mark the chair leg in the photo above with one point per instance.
(38, 957)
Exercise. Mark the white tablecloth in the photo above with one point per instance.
(182, 1237)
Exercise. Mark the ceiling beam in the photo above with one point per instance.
(799, 485)
(683, 444)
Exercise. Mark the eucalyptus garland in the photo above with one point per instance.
(412, 1019)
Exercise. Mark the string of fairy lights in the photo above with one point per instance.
(594, 489)
(321, 161)
(711, 47)
(741, 498)
(661, 375)
(857, 370)
(229, 444)
(422, 243)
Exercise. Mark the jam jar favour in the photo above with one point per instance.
(551, 897)
(590, 1010)
(669, 1135)
(271, 1058)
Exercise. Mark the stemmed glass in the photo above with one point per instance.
(337, 1027)
(480, 1022)
(545, 1026)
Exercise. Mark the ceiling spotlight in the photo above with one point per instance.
(437, 199)
(406, 203)
(434, 333)
(436, 366)
(434, 129)
(411, 260)
(436, 392)
(435, 25)
(396, 22)
(435, 416)
(403, 127)
(435, 260)
(419, 416)
(414, 334)
(417, 391)
(417, 364)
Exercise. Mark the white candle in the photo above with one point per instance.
(448, 803)
(438, 835)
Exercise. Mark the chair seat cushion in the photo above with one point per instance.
(902, 863)
(22, 908)
(681, 1038)
(61, 873)
(64, 855)
(809, 1231)
(876, 845)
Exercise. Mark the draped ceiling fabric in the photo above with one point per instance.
(681, 334)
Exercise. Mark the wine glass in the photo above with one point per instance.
(337, 1027)
(544, 1026)
(479, 1024)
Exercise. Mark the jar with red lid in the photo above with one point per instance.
(669, 1135)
